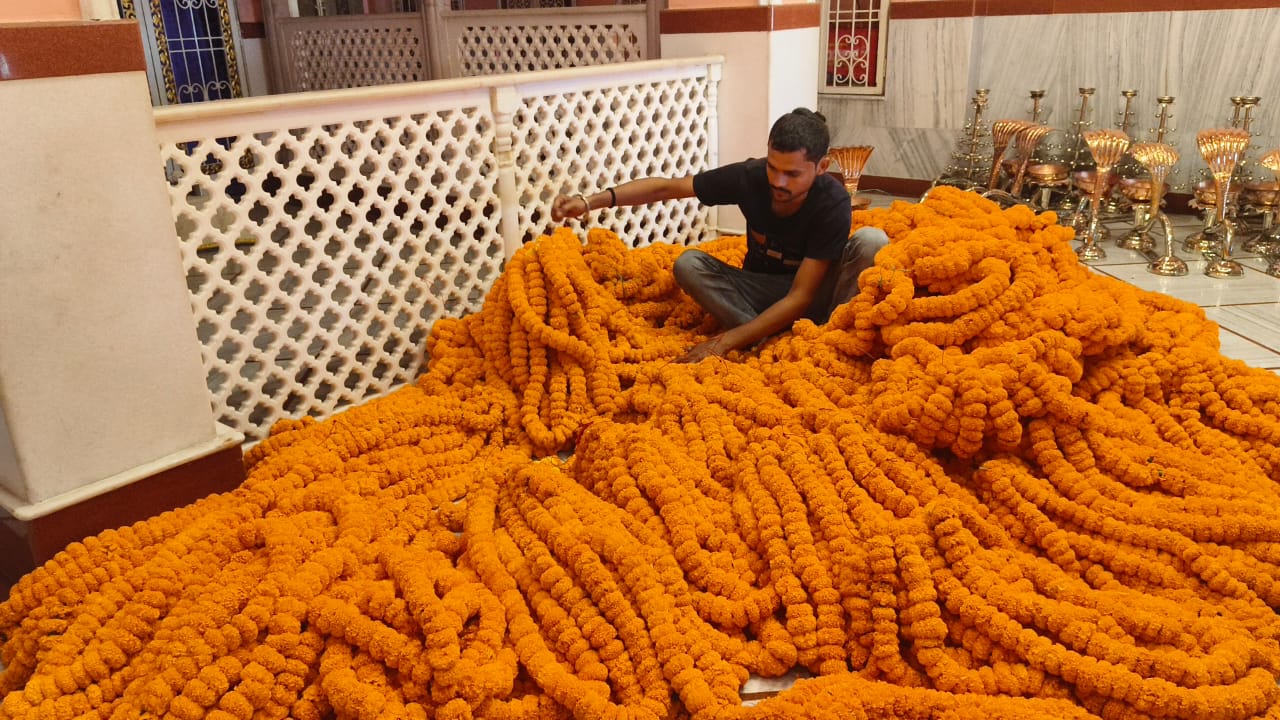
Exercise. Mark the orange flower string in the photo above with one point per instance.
(994, 486)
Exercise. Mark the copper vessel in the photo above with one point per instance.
(1048, 173)
(1261, 195)
(1138, 190)
(1086, 181)
(1267, 244)
(1206, 193)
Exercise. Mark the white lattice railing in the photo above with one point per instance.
(346, 51)
(491, 42)
(323, 233)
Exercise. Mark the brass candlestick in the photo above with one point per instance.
(1163, 116)
(852, 160)
(1249, 103)
(1072, 201)
(1126, 115)
(1159, 159)
(1136, 189)
(1037, 97)
(1082, 122)
(1269, 244)
(1222, 150)
(1237, 104)
(1126, 168)
(967, 169)
(1107, 147)
(1243, 173)
(1026, 141)
(1162, 121)
(1002, 133)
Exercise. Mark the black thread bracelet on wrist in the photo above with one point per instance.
(613, 198)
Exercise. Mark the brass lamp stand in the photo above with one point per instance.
(1222, 149)
(1159, 159)
(1107, 147)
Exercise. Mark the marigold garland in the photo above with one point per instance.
(994, 485)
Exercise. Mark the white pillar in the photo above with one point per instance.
(770, 68)
(101, 382)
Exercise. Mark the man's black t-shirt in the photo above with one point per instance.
(776, 245)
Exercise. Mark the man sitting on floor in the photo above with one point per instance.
(801, 260)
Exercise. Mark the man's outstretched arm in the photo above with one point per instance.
(775, 318)
(635, 192)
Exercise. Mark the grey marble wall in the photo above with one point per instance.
(1201, 58)
(914, 124)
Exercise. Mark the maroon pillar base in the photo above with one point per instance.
(26, 544)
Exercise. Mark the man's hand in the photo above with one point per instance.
(635, 192)
(716, 346)
(567, 206)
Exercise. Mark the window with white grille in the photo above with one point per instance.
(853, 46)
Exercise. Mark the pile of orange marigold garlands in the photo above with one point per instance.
(994, 486)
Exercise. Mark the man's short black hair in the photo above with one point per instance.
(801, 129)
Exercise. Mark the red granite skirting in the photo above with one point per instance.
(902, 187)
(754, 18)
(24, 545)
(920, 9)
(932, 9)
(61, 49)
(1175, 203)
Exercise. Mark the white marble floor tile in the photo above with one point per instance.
(1121, 256)
(1247, 351)
(757, 684)
(1257, 263)
(881, 199)
(1116, 255)
(1259, 323)
(761, 687)
(1185, 224)
(1196, 287)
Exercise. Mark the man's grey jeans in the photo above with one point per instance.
(735, 296)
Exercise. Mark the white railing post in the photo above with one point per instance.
(433, 29)
(505, 100)
(713, 130)
(278, 55)
(653, 28)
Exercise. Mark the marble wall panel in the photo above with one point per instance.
(900, 152)
(1201, 58)
(926, 82)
